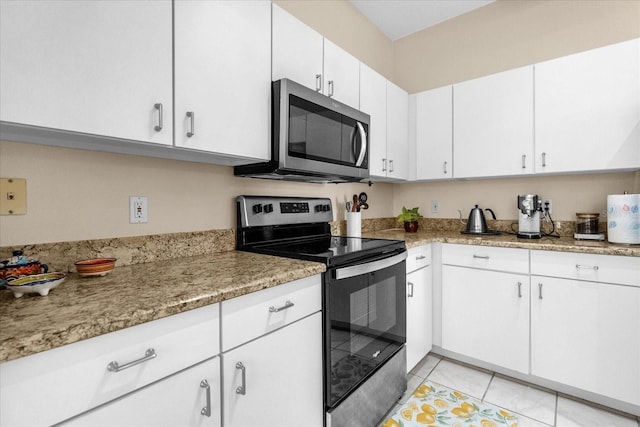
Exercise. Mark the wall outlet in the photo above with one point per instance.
(435, 206)
(546, 203)
(13, 196)
(137, 209)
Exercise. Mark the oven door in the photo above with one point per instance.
(365, 322)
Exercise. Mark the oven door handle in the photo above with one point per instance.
(370, 267)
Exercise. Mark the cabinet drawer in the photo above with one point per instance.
(485, 257)
(252, 315)
(621, 270)
(72, 379)
(418, 257)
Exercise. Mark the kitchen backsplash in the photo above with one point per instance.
(140, 249)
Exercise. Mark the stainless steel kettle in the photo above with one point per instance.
(476, 224)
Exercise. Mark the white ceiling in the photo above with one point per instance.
(399, 18)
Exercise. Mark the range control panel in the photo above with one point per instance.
(266, 210)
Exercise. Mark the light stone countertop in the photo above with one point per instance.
(505, 240)
(82, 308)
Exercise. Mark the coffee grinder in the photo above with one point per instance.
(530, 207)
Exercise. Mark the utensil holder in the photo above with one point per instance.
(354, 224)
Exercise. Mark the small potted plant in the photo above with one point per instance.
(410, 219)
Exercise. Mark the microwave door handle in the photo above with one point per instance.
(370, 267)
(363, 146)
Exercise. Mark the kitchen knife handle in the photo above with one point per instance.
(192, 117)
(410, 295)
(206, 411)
(113, 366)
(287, 304)
(330, 84)
(243, 388)
(159, 107)
(318, 82)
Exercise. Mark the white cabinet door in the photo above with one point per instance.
(397, 132)
(493, 125)
(282, 378)
(373, 101)
(585, 334)
(296, 51)
(419, 313)
(588, 110)
(97, 67)
(434, 133)
(485, 315)
(341, 75)
(182, 399)
(223, 77)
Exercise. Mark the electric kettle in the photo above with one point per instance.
(476, 224)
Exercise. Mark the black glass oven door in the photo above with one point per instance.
(365, 322)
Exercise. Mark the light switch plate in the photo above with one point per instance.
(13, 196)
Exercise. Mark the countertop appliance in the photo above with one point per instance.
(529, 207)
(363, 306)
(314, 138)
(476, 224)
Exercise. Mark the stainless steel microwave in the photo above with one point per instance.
(314, 138)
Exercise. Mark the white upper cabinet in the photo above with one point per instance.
(223, 77)
(493, 125)
(433, 122)
(397, 132)
(341, 75)
(373, 101)
(96, 67)
(587, 110)
(303, 55)
(296, 50)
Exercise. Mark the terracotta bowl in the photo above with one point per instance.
(95, 267)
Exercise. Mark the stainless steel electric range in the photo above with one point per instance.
(363, 307)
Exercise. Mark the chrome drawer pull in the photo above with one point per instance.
(115, 367)
(243, 388)
(158, 107)
(420, 257)
(585, 267)
(318, 82)
(519, 289)
(539, 290)
(206, 411)
(411, 287)
(286, 305)
(544, 160)
(330, 83)
(445, 168)
(384, 165)
(481, 257)
(524, 161)
(192, 119)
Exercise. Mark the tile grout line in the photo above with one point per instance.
(555, 412)
(493, 374)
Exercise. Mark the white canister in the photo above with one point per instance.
(623, 218)
(354, 224)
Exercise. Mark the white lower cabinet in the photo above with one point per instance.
(190, 399)
(485, 315)
(276, 380)
(419, 312)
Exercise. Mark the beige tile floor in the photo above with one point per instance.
(535, 407)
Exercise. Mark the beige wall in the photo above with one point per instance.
(77, 195)
(508, 34)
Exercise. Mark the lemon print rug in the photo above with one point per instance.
(435, 405)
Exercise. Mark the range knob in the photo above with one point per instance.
(257, 208)
(268, 208)
(326, 208)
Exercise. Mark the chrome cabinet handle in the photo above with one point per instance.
(243, 388)
(420, 257)
(524, 161)
(318, 82)
(481, 256)
(384, 165)
(206, 411)
(539, 290)
(287, 304)
(445, 168)
(363, 145)
(544, 160)
(586, 267)
(330, 84)
(192, 116)
(158, 107)
(113, 366)
(411, 291)
(519, 289)
(390, 165)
